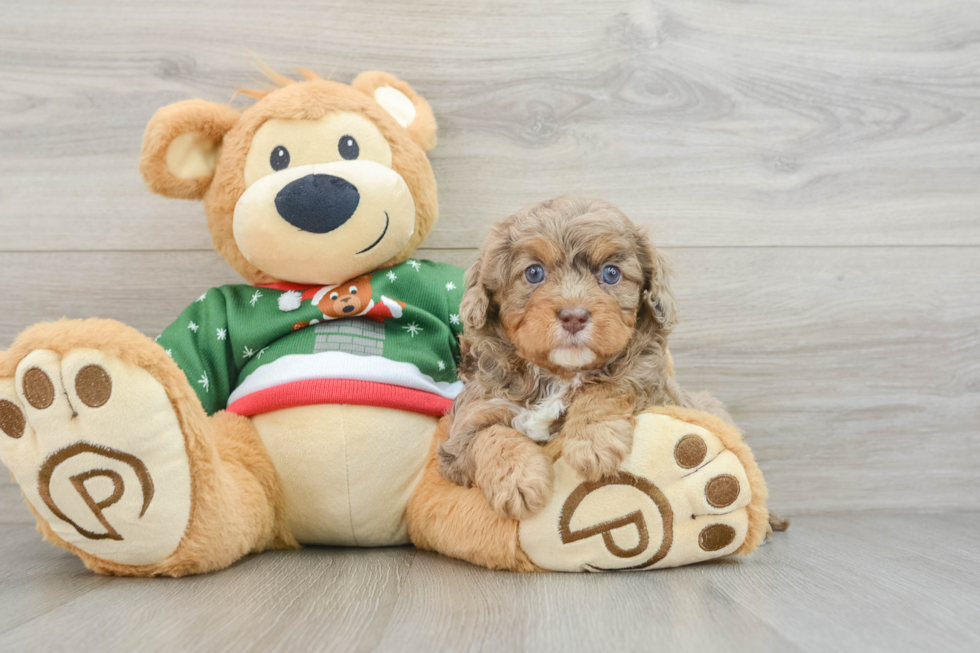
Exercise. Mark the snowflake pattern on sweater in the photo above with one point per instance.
(386, 339)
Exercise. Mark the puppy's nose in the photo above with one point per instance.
(317, 203)
(573, 318)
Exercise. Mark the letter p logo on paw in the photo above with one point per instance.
(679, 497)
(97, 449)
(622, 522)
(615, 489)
(64, 458)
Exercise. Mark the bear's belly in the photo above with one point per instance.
(347, 471)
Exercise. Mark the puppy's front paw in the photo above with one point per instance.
(451, 467)
(519, 484)
(598, 449)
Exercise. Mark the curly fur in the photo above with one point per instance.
(511, 372)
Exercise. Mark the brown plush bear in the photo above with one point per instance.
(238, 432)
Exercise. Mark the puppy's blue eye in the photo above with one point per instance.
(534, 274)
(279, 159)
(348, 147)
(611, 275)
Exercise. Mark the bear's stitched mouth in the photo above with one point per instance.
(371, 246)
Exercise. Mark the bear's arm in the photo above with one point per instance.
(198, 342)
(450, 288)
(222, 331)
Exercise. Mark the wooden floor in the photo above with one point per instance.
(812, 168)
(861, 582)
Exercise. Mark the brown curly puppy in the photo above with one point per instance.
(567, 313)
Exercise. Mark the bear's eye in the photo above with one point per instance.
(348, 147)
(279, 159)
(611, 275)
(534, 274)
(334, 295)
(352, 290)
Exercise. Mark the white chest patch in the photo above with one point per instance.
(535, 422)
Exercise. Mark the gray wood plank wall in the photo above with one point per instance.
(813, 169)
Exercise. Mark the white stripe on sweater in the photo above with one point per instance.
(341, 365)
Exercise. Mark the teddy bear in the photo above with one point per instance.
(305, 405)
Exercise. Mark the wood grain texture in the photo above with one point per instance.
(12, 507)
(720, 123)
(36, 577)
(854, 371)
(811, 166)
(863, 582)
(329, 602)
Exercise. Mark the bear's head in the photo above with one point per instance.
(316, 183)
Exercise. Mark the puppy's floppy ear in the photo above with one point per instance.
(487, 276)
(657, 295)
(405, 105)
(181, 146)
(475, 304)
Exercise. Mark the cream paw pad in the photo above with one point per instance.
(680, 497)
(96, 447)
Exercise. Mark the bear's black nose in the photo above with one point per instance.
(317, 203)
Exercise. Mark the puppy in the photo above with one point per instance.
(566, 316)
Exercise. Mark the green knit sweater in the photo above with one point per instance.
(384, 339)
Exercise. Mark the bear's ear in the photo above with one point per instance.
(400, 100)
(181, 146)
